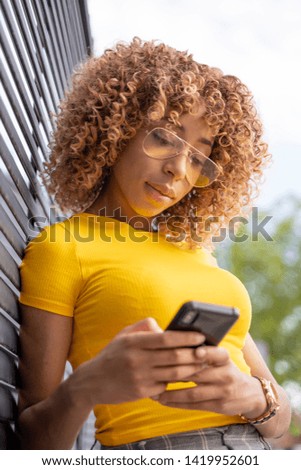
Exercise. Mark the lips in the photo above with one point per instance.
(163, 190)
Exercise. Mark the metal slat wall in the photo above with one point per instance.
(42, 41)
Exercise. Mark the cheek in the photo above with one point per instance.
(185, 190)
(132, 164)
(125, 172)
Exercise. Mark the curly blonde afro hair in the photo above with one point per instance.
(128, 87)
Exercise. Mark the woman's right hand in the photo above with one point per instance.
(138, 363)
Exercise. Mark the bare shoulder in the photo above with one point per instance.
(45, 340)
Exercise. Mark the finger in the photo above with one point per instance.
(168, 340)
(211, 405)
(213, 355)
(174, 373)
(198, 376)
(217, 375)
(147, 324)
(176, 356)
(211, 375)
(192, 395)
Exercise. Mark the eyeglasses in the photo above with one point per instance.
(162, 144)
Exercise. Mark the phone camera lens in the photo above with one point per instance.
(189, 317)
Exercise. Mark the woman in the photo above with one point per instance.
(153, 153)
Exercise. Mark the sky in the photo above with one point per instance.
(259, 41)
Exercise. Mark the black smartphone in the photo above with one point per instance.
(214, 321)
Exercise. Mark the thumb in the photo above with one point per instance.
(147, 324)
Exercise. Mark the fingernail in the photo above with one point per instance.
(200, 337)
(200, 352)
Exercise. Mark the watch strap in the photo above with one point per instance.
(271, 399)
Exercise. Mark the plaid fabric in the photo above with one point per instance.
(232, 437)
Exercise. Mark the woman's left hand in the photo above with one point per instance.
(220, 387)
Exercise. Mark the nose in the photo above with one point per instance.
(177, 165)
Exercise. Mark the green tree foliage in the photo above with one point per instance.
(271, 272)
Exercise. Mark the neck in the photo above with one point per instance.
(101, 206)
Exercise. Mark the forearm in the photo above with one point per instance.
(55, 422)
(127, 369)
(279, 424)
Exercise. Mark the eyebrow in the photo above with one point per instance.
(206, 141)
(202, 140)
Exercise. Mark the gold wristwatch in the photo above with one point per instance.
(271, 396)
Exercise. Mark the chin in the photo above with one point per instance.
(148, 214)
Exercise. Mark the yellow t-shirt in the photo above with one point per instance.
(107, 276)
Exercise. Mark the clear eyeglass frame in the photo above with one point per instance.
(162, 144)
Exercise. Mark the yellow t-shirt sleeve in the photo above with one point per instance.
(50, 272)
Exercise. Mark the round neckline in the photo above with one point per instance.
(147, 233)
(113, 219)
